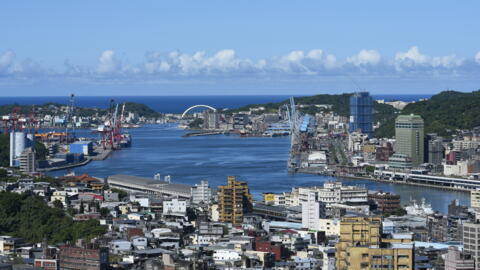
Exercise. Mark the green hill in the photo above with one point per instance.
(30, 217)
(55, 109)
(443, 113)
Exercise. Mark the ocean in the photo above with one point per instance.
(175, 104)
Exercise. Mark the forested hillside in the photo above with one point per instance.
(443, 113)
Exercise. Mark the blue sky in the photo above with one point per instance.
(237, 47)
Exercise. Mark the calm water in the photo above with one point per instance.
(260, 161)
(175, 104)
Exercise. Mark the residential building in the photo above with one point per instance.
(234, 199)
(361, 246)
(28, 161)
(409, 133)
(60, 195)
(174, 206)
(385, 201)
(384, 151)
(77, 258)
(457, 260)
(330, 226)
(312, 211)
(361, 113)
(274, 199)
(471, 238)
(330, 193)
(201, 193)
(434, 149)
(46, 264)
(475, 200)
(8, 244)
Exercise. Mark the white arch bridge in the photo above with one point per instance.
(198, 106)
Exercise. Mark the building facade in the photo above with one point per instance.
(457, 260)
(409, 133)
(76, 258)
(201, 193)
(471, 238)
(28, 162)
(386, 202)
(361, 246)
(234, 199)
(361, 113)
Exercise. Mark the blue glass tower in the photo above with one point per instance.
(361, 113)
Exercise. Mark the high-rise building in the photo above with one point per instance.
(434, 151)
(27, 161)
(409, 135)
(475, 201)
(471, 238)
(361, 246)
(312, 211)
(201, 193)
(234, 200)
(361, 113)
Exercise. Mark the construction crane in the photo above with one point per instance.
(12, 122)
(112, 129)
(69, 118)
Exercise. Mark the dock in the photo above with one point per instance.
(194, 134)
(102, 154)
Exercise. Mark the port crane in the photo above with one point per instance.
(111, 130)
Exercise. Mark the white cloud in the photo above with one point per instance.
(6, 61)
(411, 57)
(294, 65)
(108, 63)
(365, 57)
(315, 54)
(446, 61)
(477, 57)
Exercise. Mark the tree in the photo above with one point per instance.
(58, 204)
(121, 193)
(3, 173)
(4, 150)
(195, 124)
(370, 169)
(41, 152)
(82, 208)
(28, 216)
(104, 211)
(72, 211)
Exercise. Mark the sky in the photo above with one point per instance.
(50, 48)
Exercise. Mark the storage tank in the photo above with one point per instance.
(20, 143)
(12, 148)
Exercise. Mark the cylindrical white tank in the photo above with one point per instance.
(12, 148)
(20, 142)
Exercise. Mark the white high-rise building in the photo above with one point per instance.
(312, 211)
(201, 193)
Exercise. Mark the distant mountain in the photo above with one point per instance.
(55, 109)
(443, 113)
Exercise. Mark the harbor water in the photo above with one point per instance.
(259, 161)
